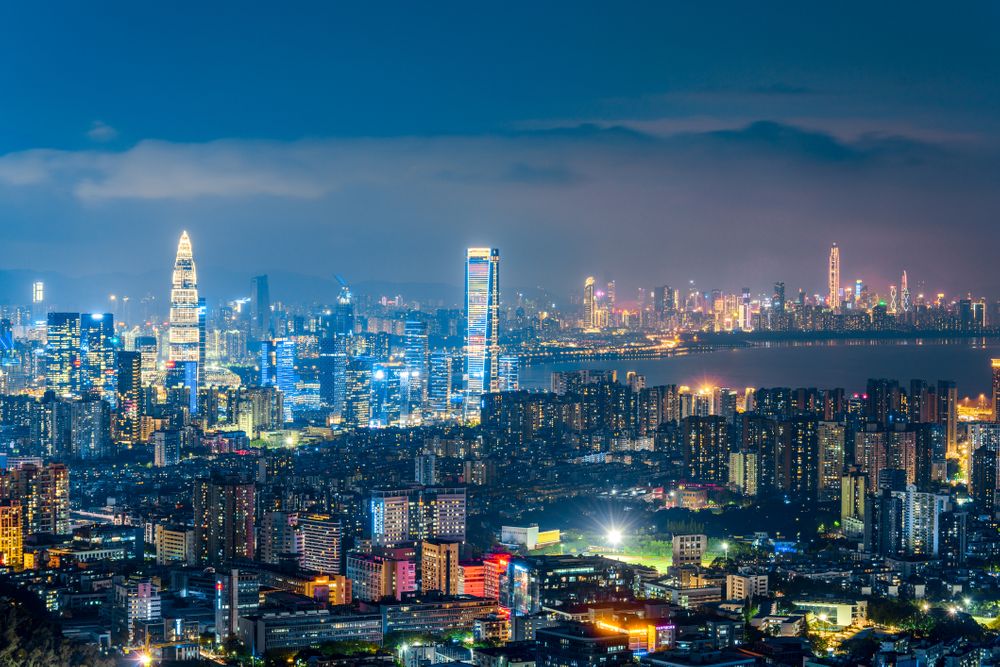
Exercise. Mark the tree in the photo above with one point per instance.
(29, 638)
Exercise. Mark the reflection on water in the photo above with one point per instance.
(839, 363)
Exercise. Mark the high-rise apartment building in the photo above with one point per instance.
(439, 569)
(418, 513)
(706, 449)
(995, 364)
(224, 519)
(322, 542)
(166, 448)
(11, 535)
(43, 494)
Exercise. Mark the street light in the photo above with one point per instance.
(725, 549)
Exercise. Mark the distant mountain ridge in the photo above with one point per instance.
(93, 292)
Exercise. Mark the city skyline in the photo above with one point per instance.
(322, 289)
(643, 334)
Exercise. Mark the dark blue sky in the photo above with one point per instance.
(648, 142)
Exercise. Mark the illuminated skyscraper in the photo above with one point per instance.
(62, 370)
(98, 372)
(184, 336)
(38, 301)
(904, 293)
(387, 396)
(129, 396)
(11, 536)
(260, 309)
(509, 372)
(893, 300)
(589, 307)
(358, 399)
(746, 314)
(439, 382)
(277, 369)
(415, 355)
(947, 412)
(834, 277)
(482, 312)
(996, 389)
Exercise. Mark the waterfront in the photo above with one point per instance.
(841, 363)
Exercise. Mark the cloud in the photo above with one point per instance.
(731, 206)
(314, 168)
(100, 131)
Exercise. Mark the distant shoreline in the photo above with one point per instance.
(712, 342)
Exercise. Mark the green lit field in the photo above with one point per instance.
(640, 551)
(661, 563)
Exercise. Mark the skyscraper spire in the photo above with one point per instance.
(184, 335)
(834, 278)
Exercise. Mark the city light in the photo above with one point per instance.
(511, 369)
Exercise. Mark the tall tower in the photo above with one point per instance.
(62, 369)
(415, 357)
(589, 313)
(995, 364)
(482, 314)
(37, 302)
(904, 293)
(834, 277)
(260, 309)
(184, 336)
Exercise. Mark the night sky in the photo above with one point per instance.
(728, 143)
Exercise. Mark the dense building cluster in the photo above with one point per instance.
(291, 482)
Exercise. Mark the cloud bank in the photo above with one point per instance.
(725, 206)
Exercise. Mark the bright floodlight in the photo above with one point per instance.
(967, 601)
(614, 537)
(145, 659)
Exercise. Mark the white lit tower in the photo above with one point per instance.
(185, 336)
(589, 305)
(904, 294)
(834, 277)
